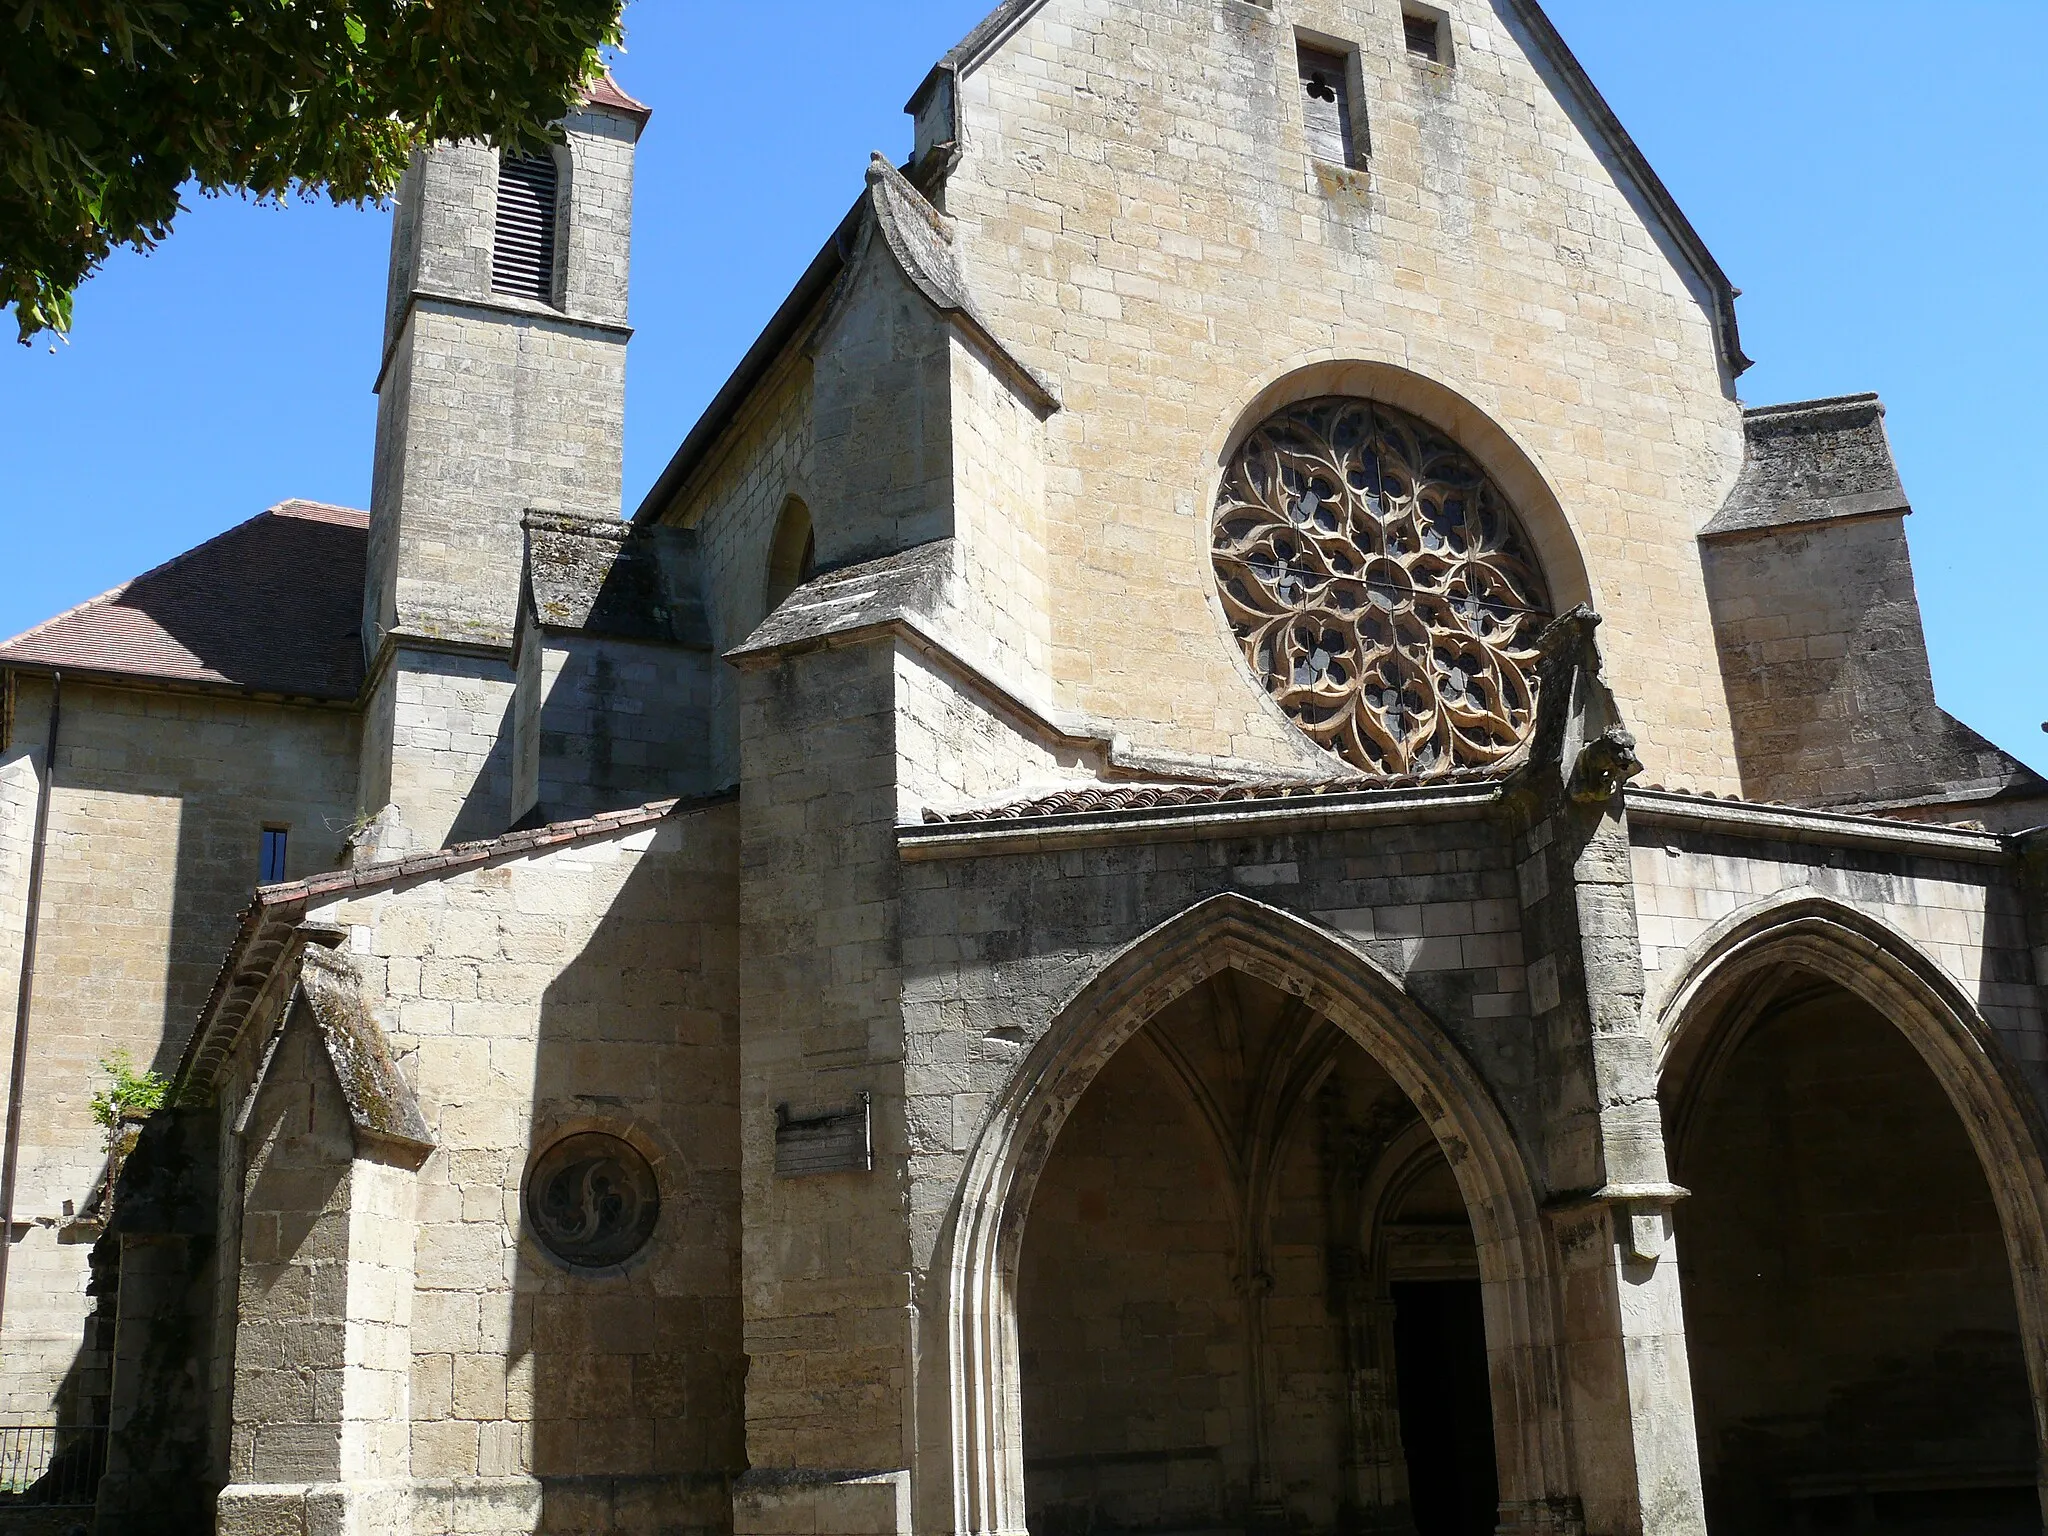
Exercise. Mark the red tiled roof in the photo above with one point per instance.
(460, 856)
(606, 93)
(272, 606)
(1087, 799)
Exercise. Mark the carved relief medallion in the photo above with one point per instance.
(592, 1200)
(1382, 588)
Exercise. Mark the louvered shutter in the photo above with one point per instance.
(1422, 36)
(1326, 105)
(523, 256)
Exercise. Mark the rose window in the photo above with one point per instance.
(1382, 588)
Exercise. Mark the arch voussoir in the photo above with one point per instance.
(1866, 957)
(978, 1258)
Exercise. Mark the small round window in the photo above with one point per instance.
(1381, 587)
(592, 1200)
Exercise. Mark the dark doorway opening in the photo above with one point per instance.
(1237, 1218)
(1856, 1354)
(1446, 1407)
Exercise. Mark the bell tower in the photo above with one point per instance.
(501, 388)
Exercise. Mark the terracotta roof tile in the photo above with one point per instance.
(1085, 799)
(271, 606)
(606, 93)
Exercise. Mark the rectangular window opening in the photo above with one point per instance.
(523, 252)
(1326, 105)
(272, 856)
(1425, 36)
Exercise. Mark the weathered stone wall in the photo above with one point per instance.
(497, 403)
(998, 445)
(155, 832)
(1826, 669)
(957, 746)
(612, 724)
(488, 405)
(503, 411)
(292, 1345)
(825, 1258)
(437, 743)
(585, 988)
(735, 505)
(883, 423)
(1965, 913)
(1140, 219)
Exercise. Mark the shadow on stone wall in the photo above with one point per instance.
(636, 1368)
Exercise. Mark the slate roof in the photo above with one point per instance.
(272, 606)
(1812, 461)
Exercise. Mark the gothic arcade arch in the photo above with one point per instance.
(979, 1255)
(1726, 984)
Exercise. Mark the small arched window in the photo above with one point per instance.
(793, 557)
(523, 252)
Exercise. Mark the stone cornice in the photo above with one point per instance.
(1740, 818)
(1283, 816)
(498, 305)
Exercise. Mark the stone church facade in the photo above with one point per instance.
(1229, 851)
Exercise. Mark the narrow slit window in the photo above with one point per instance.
(271, 857)
(1326, 105)
(1423, 39)
(523, 254)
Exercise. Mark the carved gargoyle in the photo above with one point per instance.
(1606, 765)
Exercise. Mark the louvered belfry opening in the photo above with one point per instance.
(1422, 36)
(523, 256)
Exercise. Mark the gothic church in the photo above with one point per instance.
(1230, 851)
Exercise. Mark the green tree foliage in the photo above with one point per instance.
(108, 107)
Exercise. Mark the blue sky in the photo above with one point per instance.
(1870, 173)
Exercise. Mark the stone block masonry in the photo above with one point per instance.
(155, 833)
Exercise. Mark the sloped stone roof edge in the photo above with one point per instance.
(1812, 461)
(921, 240)
(381, 1104)
(271, 935)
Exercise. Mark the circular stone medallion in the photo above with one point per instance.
(592, 1200)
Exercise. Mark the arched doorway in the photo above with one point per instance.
(1859, 1257)
(1351, 1003)
(1249, 1296)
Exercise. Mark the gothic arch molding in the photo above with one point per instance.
(1732, 968)
(1513, 467)
(977, 1257)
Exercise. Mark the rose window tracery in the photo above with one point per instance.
(1382, 588)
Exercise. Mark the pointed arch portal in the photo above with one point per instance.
(1315, 1020)
(1863, 1255)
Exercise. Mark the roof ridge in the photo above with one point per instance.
(1822, 404)
(298, 506)
(107, 597)
(481, 851)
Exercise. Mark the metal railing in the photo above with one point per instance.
(51, 1465)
